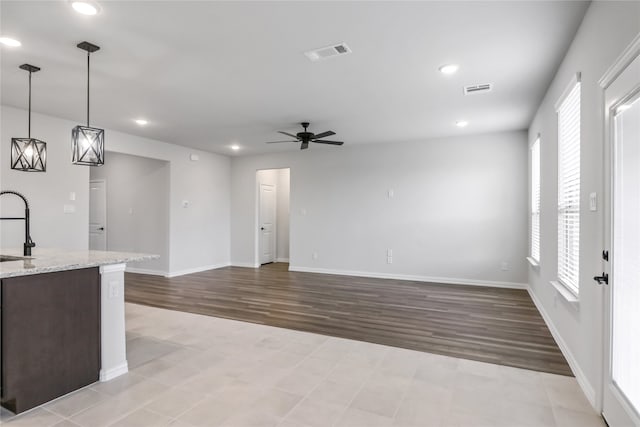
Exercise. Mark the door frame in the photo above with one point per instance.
(628, 56)
(106, 219)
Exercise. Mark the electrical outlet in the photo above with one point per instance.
(389, 260)
(389, 252)
(390, 193)
(113, 289)
(314, 255)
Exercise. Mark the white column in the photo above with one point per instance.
(112, 328)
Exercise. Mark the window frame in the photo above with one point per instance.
(569, 186)
(534, 210)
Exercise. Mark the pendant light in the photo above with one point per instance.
(29, 154)
(87, 143)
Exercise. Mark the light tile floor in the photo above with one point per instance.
(188, 370)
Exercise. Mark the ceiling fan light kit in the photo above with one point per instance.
(305, 137)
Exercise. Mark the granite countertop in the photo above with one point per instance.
(44, 260)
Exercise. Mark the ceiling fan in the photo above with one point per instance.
(306, 137)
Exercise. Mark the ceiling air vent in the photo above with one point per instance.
(473, 89)
(328, 52)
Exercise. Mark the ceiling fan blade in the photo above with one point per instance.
(324, 134)
(330, 142)
(288, 134)
(304, 146)
(276, 142)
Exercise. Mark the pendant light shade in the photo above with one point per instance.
(88, 146)
(29, 154)
(87, 143)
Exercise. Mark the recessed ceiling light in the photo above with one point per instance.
(85, 7)
(8, 41)
(141, 122)
(448, 68)
(462, 123)
(235, 147)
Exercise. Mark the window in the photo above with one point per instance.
(568, 111)
(535, 201)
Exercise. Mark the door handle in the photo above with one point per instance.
(602, 279)
(261, 228)
(101, 228)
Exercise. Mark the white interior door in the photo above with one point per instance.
(97, 215)
(267, 223)
(621, 403)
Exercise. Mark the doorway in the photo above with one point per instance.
(136, 208)
(272, 203)
(621, 396)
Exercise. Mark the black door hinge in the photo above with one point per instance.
(605, 255)
(602, 279)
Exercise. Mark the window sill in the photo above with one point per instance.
(535, 264)
(566, 293)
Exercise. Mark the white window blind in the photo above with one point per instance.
(535, 200)
(569, 188)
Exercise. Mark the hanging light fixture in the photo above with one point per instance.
(87, 143)
(29, 154)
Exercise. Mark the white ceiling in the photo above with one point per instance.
(210, 74)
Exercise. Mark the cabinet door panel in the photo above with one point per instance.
(50, 336)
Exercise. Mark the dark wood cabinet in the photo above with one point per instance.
(50, 336)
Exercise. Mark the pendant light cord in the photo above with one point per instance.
(29, 105)
(88, 55)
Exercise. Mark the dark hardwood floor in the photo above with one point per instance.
(488, 324)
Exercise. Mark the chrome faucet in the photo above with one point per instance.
(28, 243)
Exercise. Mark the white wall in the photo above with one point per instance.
(280, 179)
(47, 192)
(137, 196)
(458, 211)
(282, 245)
(198, 234)
(608, 27)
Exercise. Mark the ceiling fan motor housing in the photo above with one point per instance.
(305, 135)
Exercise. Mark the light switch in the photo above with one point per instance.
(72, 196)
(390, 193)
(69, 209)
(593, 202)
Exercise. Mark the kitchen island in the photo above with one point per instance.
(63, 324)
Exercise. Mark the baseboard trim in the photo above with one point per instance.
(416, 278)
(146, 271)
(245, 265)
(282, 259)
(584, 383)
(109, 374)
(196, 269)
